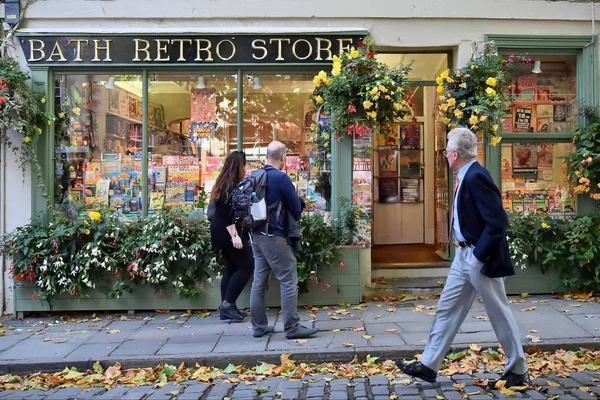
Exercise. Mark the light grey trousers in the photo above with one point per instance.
(463, 283)
(273, 253)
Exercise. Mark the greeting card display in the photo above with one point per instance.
(203, 113)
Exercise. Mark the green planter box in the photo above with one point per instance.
(345, 287)
(533, 281)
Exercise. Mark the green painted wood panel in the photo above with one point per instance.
(531, 280)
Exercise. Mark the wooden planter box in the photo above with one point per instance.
(533, 281)
(345, 284)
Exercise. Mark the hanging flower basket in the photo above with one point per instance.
(361, 93)
(477, 95)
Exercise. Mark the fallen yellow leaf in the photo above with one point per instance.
(525, 295)
(529, 309)
(349, 344)
(367, 336)
(335, 330)
(301, 341)
(431, 314)
(391, 330)
(533, 331)
(114, 331)
(475, 347)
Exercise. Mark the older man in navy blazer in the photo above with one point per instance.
(482, 259)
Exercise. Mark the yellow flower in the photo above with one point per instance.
(444, 74)
(473, 119)
(43, 100)
(495, 128)
(444, 107)
(599, 185)
(335, 71)
(354, 53)
(490, 91)
(367, 104)
(439, 81)
(87, 232)
(458, 113)
(483, 118)
(312, 272)
(490, 81)
(450, 80)
(336, 59)
(446, 120)
(451, 102)
(545, 225)
(86, 223)
(387, 97)
(96, 216)
(375, 90)
(442, 98)
(463, 85)
(77, 111)
(463, 104)
(319, 100)
(328, 81)
(39, 131)
(27, 139)
(397, 106)
(382, 88)
(473, 66)
(495, 140)
(62, 114)
(440, 89)
(372, 114)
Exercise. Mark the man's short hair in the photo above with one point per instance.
(276, 153)
(464, 142)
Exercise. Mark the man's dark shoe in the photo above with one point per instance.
(229, 312)
(418, 370)
(268, 329)
(242, 313)
(301, 332)
(512, 380)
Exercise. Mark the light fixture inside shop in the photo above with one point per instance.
(111, 83)
(201, 84)
(257, 84)
(537, 67)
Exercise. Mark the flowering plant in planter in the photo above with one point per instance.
(360, 92)
(21, 110)
(476, 96)
(583, 164)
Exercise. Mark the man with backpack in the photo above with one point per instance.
(272, 253)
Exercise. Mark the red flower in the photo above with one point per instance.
(370, 54)
(338, 137)
(414, 119)
(2, 100)
(361, 43)
(351, 108)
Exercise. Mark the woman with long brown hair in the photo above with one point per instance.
(229, 239)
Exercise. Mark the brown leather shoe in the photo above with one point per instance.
(418, 370)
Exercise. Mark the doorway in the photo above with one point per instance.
(408, 214)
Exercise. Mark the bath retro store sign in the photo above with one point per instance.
(244, 49)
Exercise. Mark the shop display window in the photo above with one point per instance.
(534, 179)
(192, 127)
(544, 95)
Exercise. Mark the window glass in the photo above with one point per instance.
(97, 147)
(278, 107)
(192, 129)
(543, 101)
(425, 67)
(534, 179)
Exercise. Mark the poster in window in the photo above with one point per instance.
(388, 162)
(560, 113)
(525, 158)
(410, 163)
(410, 136)
(545, 111)
(388, 190)
(410, 190)
(543, 125)
(203, 113)
(362, 144)
(523, 118)
(113, 101)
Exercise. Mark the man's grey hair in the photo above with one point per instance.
(464, 142)
(274, 153)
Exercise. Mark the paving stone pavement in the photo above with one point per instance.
(580, 386)
(382, 329)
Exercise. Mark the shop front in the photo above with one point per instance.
(150, 115)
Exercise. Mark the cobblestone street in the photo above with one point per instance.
(581, 386)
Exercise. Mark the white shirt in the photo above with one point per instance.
(455, 225)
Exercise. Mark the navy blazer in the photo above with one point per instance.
(483, 221)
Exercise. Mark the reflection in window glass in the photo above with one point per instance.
(278, 107)
(425, 67)
(97, 151)
(534, 179)
(545, 101)
(192, 129)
